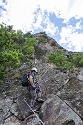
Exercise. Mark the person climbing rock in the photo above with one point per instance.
(34, 88)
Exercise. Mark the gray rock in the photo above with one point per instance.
(55, 111)
(80, 75)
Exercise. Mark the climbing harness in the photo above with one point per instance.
(34, 112)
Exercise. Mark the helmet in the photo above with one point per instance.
(34, 69)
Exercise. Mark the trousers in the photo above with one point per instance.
(34, 96)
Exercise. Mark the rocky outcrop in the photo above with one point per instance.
(62, 91)
(62, 94)
(55, 111)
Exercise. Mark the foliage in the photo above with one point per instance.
(11, 58)
(68, 65)
(43, 32)
(77, 59)
(38, 50)
(3, 73)
(28, 35)
(28, 47)
(40, 39)
(14, 47)
(59, 59)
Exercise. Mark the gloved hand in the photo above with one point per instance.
(33, 86)
(38, 89)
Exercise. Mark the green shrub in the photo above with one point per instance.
(68, 65)
(38, 50)
(40, 39)
(59, 59)
(15, 47)
(78, 59)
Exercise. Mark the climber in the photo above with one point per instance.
(34, 88)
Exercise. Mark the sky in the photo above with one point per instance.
(60, 19)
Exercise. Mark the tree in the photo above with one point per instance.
(28, 47)
(14, 48)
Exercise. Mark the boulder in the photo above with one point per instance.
(55, 111)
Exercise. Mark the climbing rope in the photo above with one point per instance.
(34, 112)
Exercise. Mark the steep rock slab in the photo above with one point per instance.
(8, 112)
(31, 120)
(53, 81)
(12, 120)
(72, 94)
(14, 111)
(80, 75)
(55, 111)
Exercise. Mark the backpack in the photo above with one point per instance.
(24, 79)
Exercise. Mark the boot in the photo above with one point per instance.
(39, 100)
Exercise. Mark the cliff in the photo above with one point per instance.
(62, 91)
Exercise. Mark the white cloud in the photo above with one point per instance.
(50, 27)
(20, 13)
(69, 9)
(79, 26)
(38, 19)
(70, 36)
(65, 10)
(2, 12)
(30, 15)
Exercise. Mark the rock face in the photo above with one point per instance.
(55, 111)
(63, 97)
(61, 90)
